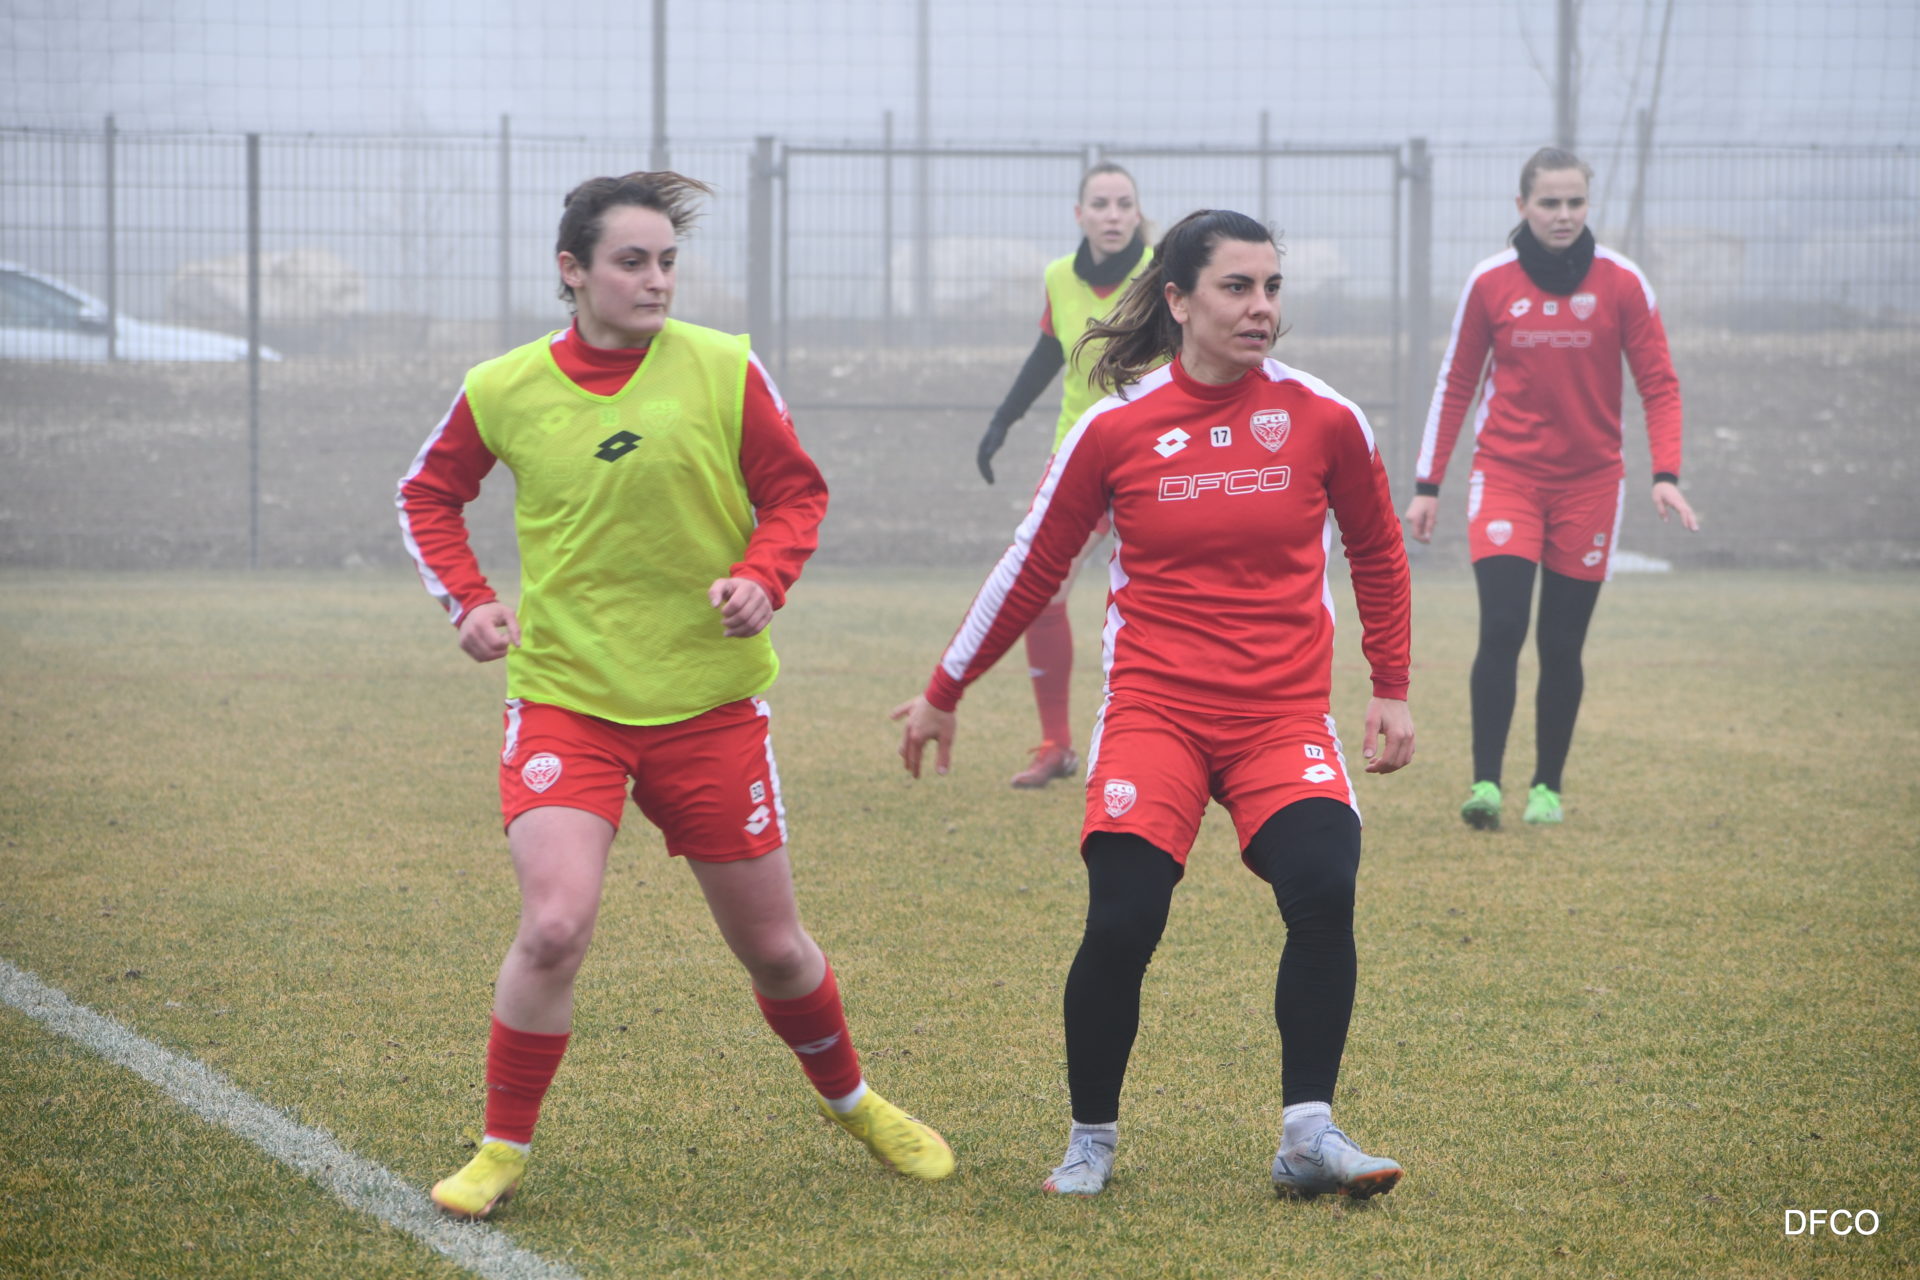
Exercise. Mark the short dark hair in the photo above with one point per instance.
(667, 193)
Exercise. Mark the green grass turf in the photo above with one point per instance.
(1618, 1047)
(106, 1177)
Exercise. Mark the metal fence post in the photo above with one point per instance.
(886, 223)
(922, 178)
(1566, 93)
(1414, 388)
(113, 265)
(253, 351)
(506, 232)
(783, 256)
(1266, 167)
(1397, 278)
(657, 156)
(760, 242)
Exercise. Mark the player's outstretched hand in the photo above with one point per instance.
(925, 723)
(1388, 719)
(989, 445)
(1422, 514)
(745, 608)
(488, 631)
(1667, 498)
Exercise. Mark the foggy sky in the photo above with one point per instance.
(1747, 72)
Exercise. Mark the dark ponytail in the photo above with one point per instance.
(1140, 332)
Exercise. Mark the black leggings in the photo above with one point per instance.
(1566, 607)
(1310, 853)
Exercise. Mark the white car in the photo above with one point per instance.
(42, 318)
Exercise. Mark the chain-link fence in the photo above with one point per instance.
(223, 349)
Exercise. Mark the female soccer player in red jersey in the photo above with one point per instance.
(1080, 289)
(663, 507)
(1542, 328)
(1222, 472)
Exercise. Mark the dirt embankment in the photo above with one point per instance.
(1799, 454)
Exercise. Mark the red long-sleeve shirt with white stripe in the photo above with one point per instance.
(1550, 410)
(1220, 498)
(786, 489)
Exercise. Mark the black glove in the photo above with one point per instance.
(990, 444)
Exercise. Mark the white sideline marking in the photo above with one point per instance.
(361, 1184)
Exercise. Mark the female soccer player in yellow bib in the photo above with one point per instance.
(1081, 288)
(663, 507)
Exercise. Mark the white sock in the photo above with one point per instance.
(1107, 1135)
(521, 1147)
(841, 1106)
(1301, 1121)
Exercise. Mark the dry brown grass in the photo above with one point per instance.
(1621, 1047)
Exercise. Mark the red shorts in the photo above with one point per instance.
(708, 783)
(1151, 770)
(1569, 529)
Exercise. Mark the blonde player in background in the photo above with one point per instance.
(1081, 288)
(663, 507)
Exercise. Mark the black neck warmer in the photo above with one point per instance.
(1559, 273)
(1114, 269)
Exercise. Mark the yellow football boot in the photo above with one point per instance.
(488, 1181)
(896, 1139)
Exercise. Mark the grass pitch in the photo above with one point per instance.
(253, 818)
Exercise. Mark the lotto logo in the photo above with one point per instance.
(1119, 796)
(1172, 442)
(1593, 558)
(541, 772)
(1319, 773)
(758, 820)
(818, 1046)
(617, 446)
(1520, 308)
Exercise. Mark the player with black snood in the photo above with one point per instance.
(1540, 333)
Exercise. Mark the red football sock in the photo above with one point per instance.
(815, 1028)
(520, 1066)
(1050, 663)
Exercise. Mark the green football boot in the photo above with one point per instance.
(1482, 809)
(1543, 804)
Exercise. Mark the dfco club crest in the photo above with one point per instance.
(1271, 428)
(541, 772)
(1582, 304)
(1119, 796)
